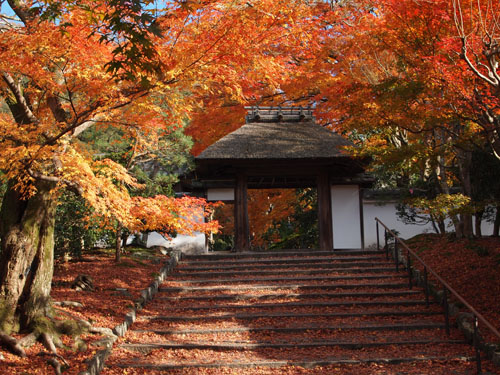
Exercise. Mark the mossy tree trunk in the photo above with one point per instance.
(27, 253)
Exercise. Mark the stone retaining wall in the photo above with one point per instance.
(96, 363)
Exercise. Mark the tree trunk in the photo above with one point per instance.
(438, 225)
(125, 236)
(27, 255)
(465, 164)
(445, 189)
(441, 226)
(496, 224)
(144, 239)
(478, 216)
(118, 243)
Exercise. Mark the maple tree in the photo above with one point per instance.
(414, 82)
(155, 166)
(390, 75)
(278, 218)
(136, 65)
(476, 29)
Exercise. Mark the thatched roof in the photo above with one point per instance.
(278, 140)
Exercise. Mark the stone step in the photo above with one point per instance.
(289, 305)
(276, 335)
(440, 346)
(284, 261)
(246, 296)
(287, 322)
(328, 309)
(293, 364)
(175, 318)
(285, 253)
(354, 345)
(364, 327)
(285, 279)
(217, 273)
(233, 312)
(283, 286)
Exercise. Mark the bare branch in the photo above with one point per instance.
(70, 93)
(40, 176)
(21, 100)
(473, 67)
(8, 23)
(178, 36)
(54, 179)
(87, 124)
(82, 121)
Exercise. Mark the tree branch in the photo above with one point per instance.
(492, 62)
(56, 108)
(77, 127)
(56, 180)
(21, 100)
(21, 10)
(473, 67)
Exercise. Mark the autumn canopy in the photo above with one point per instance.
(415, 82)
(142, 67)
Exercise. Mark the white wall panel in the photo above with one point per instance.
(345, 217)
(214, 195)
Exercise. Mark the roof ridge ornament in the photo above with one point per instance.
(278, 114)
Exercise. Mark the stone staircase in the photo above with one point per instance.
(290, 313)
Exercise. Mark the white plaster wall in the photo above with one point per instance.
(387, 213)
(346, 225)
(486, 228)
(187, 244)
(345, 217)
(214, 195)
(194, 244)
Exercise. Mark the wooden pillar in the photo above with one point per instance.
(325, 212)
(241, 227)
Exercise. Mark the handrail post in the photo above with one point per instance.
(408, 267)
(386, 245)
(476, 344)
(446, 311)
(396, 253)
(426, 287)
(378, 239)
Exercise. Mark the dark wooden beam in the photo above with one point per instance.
(344, 167)
(325, 212)
(241, 227)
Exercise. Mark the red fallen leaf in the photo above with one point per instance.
(475, 277)
(253, 354)
(107, 277)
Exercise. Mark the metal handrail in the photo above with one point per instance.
(447, 287)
